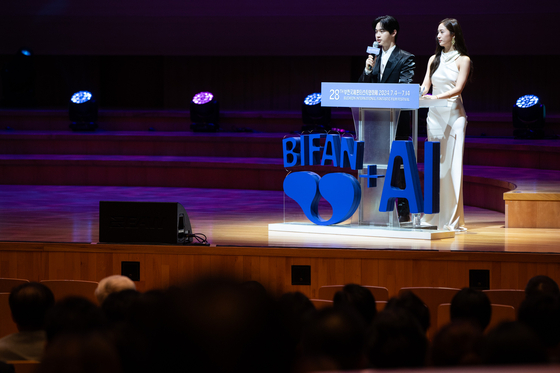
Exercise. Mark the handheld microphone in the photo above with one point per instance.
(373, 50)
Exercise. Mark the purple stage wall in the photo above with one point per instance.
(258, 55)
(279, 28)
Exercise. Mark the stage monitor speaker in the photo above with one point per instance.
(144, 222)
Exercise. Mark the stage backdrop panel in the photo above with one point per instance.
(254, 27)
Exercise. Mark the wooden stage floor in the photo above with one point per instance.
(233, 218)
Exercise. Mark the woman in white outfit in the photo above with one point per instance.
(448, 71)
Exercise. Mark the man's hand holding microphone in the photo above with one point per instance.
(373, 53)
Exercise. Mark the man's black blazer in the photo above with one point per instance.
(399, 69)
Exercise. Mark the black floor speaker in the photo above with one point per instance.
(144, 222)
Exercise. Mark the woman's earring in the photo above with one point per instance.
(453, 41)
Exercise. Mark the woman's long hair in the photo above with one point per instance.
(455, 29)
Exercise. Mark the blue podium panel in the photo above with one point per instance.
(370, 95)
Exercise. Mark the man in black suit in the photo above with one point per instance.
(393, 65)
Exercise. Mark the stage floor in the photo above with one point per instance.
(233, 218)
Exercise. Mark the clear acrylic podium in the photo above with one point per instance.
(376, 109)
(377, 128)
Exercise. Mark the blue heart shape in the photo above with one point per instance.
(342, 191)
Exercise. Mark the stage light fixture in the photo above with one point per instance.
(528, 118)
(314, 116)
(83, 111)
(205, 113)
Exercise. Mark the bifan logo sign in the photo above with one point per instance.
(342, 190)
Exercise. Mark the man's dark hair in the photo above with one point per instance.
(295, 311)
(337, 334)
(396, 340)
(358, 298)
(542, 314)
(73, 315)
(456, 344)
(29, 304)
(389, 23)
(412, 303)
(471, 305)
(512, 343)
(541, 285)
(116, 307)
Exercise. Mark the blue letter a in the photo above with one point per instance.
(412, 191)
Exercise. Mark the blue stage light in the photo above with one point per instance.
(205, 113)
(528, 118)
(81, 97)
(25, 52)
(527, 101)
(203, 98)
(312, 99)
(314, 116)
(82, 111)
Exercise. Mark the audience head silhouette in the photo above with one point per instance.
(334, 340)
(541, 285)
(112, 284)
(397, 340)
(410, 302)
(358, 298)
(541, 313)
(29, 304)
(471, 305)
(73, 315)
(456, 344)
(512, 343)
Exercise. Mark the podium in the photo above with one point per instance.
(376, 109)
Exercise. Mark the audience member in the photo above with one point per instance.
(80, 353)
(144, 332)
(472, 306)
(116, 306)
(211, 325)
(358, 298)
(29, 304)
(413, 304)
(334, 340)
(73, 315)
(296, 311)
(542, 314)
(6, 368)
(512, 343)
(112, 284)
(541, 285)
(397, 340)
(255, 286)
(456, 344)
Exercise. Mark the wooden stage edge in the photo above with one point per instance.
(165, 265)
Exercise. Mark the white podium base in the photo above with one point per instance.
(357, 230)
